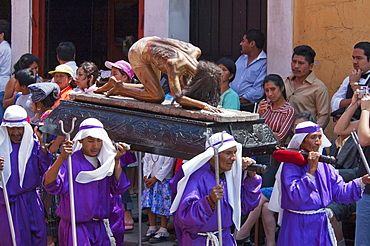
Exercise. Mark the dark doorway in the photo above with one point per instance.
(5, 12)
(83, 23)
(123, 27)
(217, 26)
(98, 29)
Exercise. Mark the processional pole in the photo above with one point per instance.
(70, 181)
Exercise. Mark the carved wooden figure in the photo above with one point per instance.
(152, 55)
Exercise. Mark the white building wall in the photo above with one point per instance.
(21, 28)
(179, 27)
(279, 36)
(167, 18)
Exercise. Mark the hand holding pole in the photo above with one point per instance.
(70, 181)
(217, 172)
(362, 155)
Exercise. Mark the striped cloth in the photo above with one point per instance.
(280, 120)
(40, 91)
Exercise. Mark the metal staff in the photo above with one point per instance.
(7, 205)
(70, 181)
(140, 187)
(362, 155)
(217, 172)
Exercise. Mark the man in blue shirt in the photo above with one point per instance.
(251, 68)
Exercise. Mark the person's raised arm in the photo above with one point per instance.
(10, 93)
(344, 125)
(52, 173)
(363, 127)
(54, 147)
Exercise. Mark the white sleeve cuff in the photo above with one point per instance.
(311, 176)
(362, 183)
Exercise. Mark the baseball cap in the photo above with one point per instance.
(63, 68)
(123, 65)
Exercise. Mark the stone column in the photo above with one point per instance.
(167, 18)
(279, 36)
(21, 28)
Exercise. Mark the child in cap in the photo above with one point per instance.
(63, 77)
(121, 71)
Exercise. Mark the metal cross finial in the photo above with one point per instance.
(70, 181)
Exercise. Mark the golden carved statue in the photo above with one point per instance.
(192, 83)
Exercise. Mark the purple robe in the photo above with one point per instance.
(194, 215)
(300, 193)
(116, 218)
(25, 204)
(92, 203)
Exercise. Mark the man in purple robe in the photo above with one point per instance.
(23, 162)
(306, 191)
(97, 174)
(194, 206)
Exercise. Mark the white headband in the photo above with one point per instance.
(302, 130)
(92, 127)
(15, 116)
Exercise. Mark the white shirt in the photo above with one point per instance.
(93, 160)
(74, 67)
(26, 102)
(5, 64)
(341, 93)
(158, 166)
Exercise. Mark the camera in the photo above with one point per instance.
(363, 91)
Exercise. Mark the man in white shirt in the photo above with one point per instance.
(360, 74)
(5, 60)
(66, 54)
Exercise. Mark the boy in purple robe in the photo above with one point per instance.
(194, 206)
(97, 174)
(23, 161)
(304, 192)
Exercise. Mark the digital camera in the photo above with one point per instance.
(363, 91)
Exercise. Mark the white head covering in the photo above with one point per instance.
(301, 131)
(233, 177)
(15, 116)
(92, 127)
